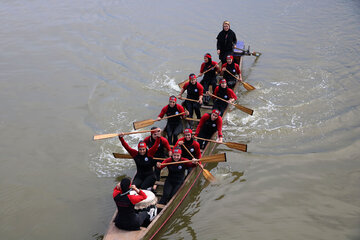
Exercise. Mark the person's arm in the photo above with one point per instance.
(180, 109)
(134, 199)
(237, 69)
(179, 142)
(154, 148)
(159, 165)
(188, 164)
(201, 123)
(217, 68)
(231, 95)
(234, 39)
(197, 150)
(215, 92)
(201, 92)
(223, 67)
(201, 69)
(183, 90)
(166, 144)
(218, 44)
(116, 190)
(219, 128)
(163, 112)
(130, 150)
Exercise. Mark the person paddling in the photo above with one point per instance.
(209, 69)
(145, 175)
(195, 92)
(230, 67)
(209, 124)
(127, 218)
(226, 41)
(176, 175)
(224, 92)
(189, 142)
(174, 125)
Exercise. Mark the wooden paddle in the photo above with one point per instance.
(148, 122)
(245, 84)
(189, 99)
(256, 54)
(207, 175)
(193, 119)
(185, 81)
(234, 145)
(111, 135)
(238, 106)
(128, 156)
(215, 158)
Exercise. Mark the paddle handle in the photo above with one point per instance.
(186, 161)
(233, 75)
(170, 116)
(188, 151)
(209, 140)
(189, 99)
(144, 131)
(219, 98)
(193, 119)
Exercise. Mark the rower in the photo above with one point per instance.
(174, 125)
(209, 69)
(209, 124)
(127, 218)
(176, 175)
(163, 150)
(195, 92)
(224, 92)
(145, 175)
(190, 144)
(233, 68)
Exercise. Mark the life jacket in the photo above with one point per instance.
(230, 68)
(223, 93)
(173, 111)
(209, 126)
(193, 91)
(210, 74)
(176, 172)
(126, 217)
(144, 164)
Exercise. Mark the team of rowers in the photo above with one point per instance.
(189, 146)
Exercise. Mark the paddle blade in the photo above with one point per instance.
(214, 158)
(238, 146)
(122, 155)
(208, 176)
(244, 109)
(182, 83)
(142, 124)
(248, 86)
(104, 136)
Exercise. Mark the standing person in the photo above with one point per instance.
(189, 142)
(210, 68)
(176, 175)
(209, 124)
(233, 68)
(127, 218)
(226, 40)
(174, 125)
(163, 150)
(195, 92)
(224, 92)
(145, 175)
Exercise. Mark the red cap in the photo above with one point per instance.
(217, 112)
(192, 76)
(188, 130)
(177, 150)
(222, 81)
(229, 57)
(142, 144)
(172, 98)
(207, 55)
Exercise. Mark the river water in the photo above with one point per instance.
(73, 69)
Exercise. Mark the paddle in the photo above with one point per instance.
(247, 52)
(238, 106)
(193, 119)
(189, 99)
(234, 145)
(128, 156)
(185, 81)
(111, 135)
(148, 122)
(207, 175)
(246, 85)
(215, 158)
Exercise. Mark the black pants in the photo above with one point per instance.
(220, 105)
(170, 188)
(173, 131)
(144, 181)
(191, 107)
(140, 218)
(223, 55)
(207, 82)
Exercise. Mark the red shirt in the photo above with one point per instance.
(204, 118)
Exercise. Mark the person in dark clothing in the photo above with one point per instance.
(176, 175)
(225, 93)
(174, 125)
(226, 41)
(127, 218)
(195, 92)
(209, 124)
(164, 149)
(209, 69)
(233, 68)
(145, 175)
(189, 142)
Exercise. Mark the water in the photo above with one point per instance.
(70, 70)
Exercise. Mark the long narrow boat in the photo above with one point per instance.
(113, 233)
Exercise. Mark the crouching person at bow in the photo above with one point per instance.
(176, 174)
